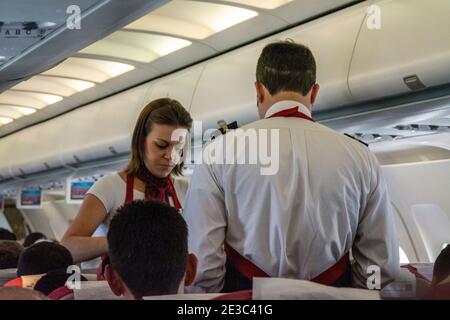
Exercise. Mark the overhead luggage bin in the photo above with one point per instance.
(226, 86)
(410, 51)
(6, 146)
(225, 89)
(37, 148)
(101, 129)
(179, 86)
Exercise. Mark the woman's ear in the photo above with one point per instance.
(191, 269)
(114, 281)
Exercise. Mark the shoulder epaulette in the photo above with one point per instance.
(350, 136)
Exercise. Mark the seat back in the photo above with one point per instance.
(6, 275)
(94, 290)
(293, 289)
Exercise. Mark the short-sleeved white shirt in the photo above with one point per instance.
(111, 191)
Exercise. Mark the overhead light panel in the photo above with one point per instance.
(265, 4)
(24, 110)
(94, 70)
(15, 112)
(28, 99)
(55, 85)
(5, 120)
(192, 19)
(136, 46)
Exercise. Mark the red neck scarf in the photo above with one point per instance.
(292, 112)
(155, 188)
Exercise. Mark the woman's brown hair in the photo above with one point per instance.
(161, 111)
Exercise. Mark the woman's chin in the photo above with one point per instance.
(164, 172)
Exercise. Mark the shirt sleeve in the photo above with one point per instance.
(205, 215)
(104, 190)
(376, 242)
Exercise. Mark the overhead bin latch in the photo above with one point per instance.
(413, 83)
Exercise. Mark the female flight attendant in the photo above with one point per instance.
(156, 150)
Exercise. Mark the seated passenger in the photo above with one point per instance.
(147, 243)
(7, 235)
(441, 270)
(33, 238)
(53, 280)
(440, 284)
(38, 259)
(43, 257)
(9, 254)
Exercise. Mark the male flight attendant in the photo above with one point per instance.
(327, 197)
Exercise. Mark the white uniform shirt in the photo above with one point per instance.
(111, 191)
(327, 197)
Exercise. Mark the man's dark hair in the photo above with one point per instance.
(7, 235)
(441, 269)
(43, 257)
(147, 243)
(286, 66)
(9, 254)
(32, 238)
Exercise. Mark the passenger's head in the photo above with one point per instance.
(285, 71)
(43, 257)
(147, 243)
(161, 125)
(441, 269)
(17, 293)
(9, 254)
(32, 238)
(7, 235)
(53, 280)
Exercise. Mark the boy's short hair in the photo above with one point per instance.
(148, 247)
(441, 268)
(9, 254)
(7, 235)
(43, 257)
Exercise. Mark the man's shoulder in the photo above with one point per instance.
(356, 139)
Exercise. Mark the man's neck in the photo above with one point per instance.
(292, 96)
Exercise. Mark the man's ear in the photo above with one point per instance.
(191, 269)
(314, 92)
(114, 281)
(259, 92)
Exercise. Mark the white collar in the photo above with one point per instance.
(287, 104)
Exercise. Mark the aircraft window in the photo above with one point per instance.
(266, 4)
(403, 257)
(192, 19)
(137, 46)
(95, 70)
